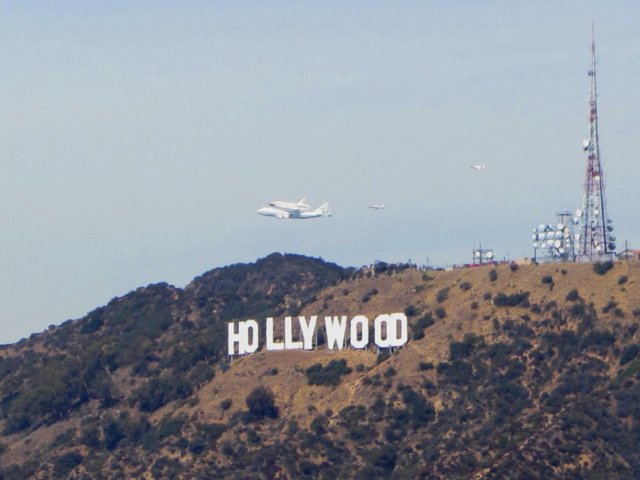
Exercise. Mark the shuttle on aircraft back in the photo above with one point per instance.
(299, 210)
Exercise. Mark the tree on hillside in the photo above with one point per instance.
(261, 403)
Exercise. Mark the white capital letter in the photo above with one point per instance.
(307, 330)
(390, 328)
(289, 344)
(391, 324)
(253, 346)
(364, 340)
(398, 341)
(234, 338)
(335, 331)
(271, 345)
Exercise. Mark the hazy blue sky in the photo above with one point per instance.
(137, 139)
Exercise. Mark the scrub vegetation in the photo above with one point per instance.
(529, 372)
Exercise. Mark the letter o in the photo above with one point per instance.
(364, 339)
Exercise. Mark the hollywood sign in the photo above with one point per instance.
(389, 330)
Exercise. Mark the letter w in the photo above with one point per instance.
(335, 329)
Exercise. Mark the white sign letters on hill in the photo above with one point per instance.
(389, 330)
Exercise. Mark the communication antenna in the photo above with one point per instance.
(555, 242)
(482, 255)
(595, 241)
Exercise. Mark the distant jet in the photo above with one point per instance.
(479, 167)
(290, 206)
(271, 211)
(377, 207)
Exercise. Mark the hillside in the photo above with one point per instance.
(529, 372)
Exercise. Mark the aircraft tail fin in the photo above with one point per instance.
(302, 201)
(324, 210)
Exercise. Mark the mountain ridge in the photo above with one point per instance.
(502, 362)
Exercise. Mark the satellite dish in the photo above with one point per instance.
(489, 254)
(535, 230)
(612, 238)
(596, 212)
(577, 236)
(598, 248)
(579, 212)
(585, 143)
(549, 243)
(557, 244)
(561, 250)
(612, 246)
(609, 220)
(566, 233)
(476, 253)
(610, 228)
(560, 226)
(534, 237)
(535, 245)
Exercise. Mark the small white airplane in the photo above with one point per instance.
(377, 207)
(271, 211)
(290, 206)
(479, 167)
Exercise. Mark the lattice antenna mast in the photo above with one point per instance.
(595, 240)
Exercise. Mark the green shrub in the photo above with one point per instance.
(609, 306)
(63, 465)
(261, 403)
(421, 410)
(629, 353)
(457, 371)
(329, 375)
(442, 295)
(367, 296)
(520, 299)
(493, 275)
(226, 404)
(417, 330)
(410, 311)
(600, 268)
(465, 286)
(622, 279)
(572, 296)
(319, 425)
(577, 310)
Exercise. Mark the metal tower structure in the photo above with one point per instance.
(555, 243)
(594, 240)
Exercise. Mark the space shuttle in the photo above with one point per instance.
(298, 210)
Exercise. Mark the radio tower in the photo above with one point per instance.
(595, 241)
